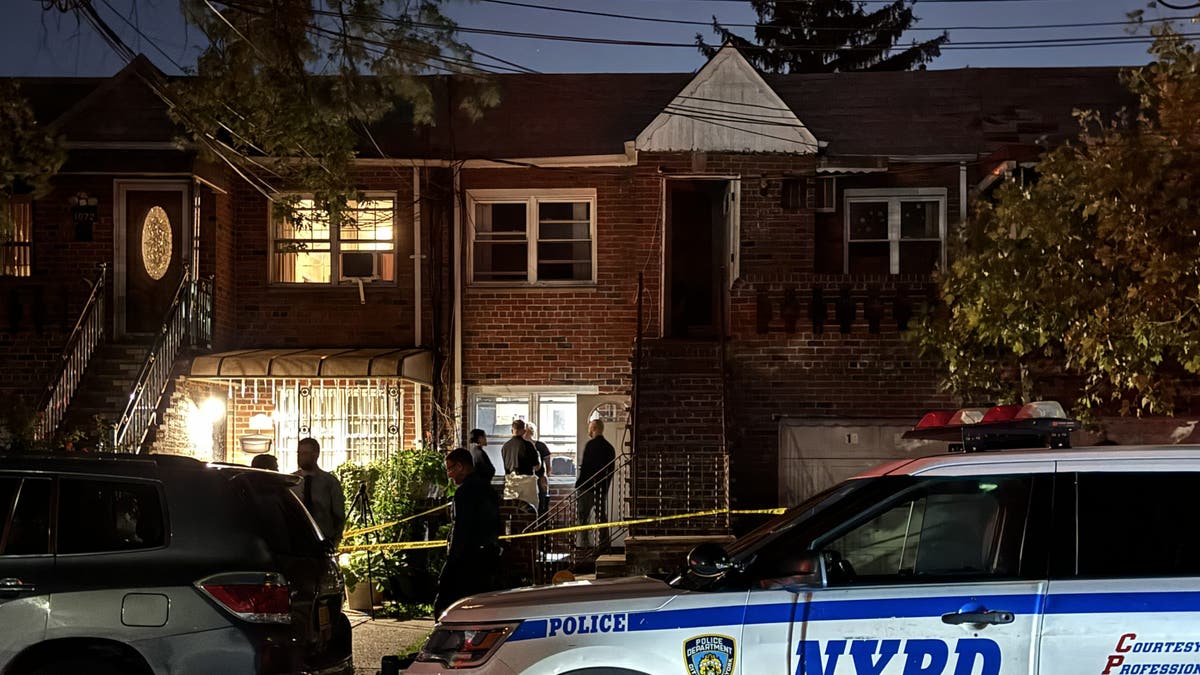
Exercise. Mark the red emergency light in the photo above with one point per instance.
(1038, 424)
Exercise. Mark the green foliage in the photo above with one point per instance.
(30, 155)
(828, 36)
(286, 90)
(404, 484)
(1090, 272)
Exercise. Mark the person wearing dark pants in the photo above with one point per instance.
(591, 486)
(473, 555)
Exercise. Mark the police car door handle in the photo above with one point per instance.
(981, 617)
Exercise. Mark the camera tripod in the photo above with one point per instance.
(360, 507)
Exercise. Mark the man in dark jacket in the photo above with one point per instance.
(473, 554)
(483, 463)
(520, 456)
(595, 474)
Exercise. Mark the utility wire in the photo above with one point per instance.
(938, 29)
(1096, 40)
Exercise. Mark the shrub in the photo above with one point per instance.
(404, 484)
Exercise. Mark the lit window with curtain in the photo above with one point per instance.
(307, 249)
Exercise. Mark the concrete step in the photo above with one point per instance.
(610, 565)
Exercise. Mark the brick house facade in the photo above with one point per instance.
(783, 229)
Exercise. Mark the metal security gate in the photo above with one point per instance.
(816, 453)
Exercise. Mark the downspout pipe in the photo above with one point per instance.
(418, 254)
(458, 297)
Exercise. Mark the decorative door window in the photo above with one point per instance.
(156, 243)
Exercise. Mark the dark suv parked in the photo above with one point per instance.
(158, 564)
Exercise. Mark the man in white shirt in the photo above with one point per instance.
(320, 491)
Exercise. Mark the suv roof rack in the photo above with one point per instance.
(1040, 424)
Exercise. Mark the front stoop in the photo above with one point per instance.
(664, 554)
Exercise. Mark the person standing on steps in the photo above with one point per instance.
(595, 475)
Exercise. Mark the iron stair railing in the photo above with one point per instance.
(76, 355)
(575, 550)
(188, 322)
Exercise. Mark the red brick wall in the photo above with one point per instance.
(576, 336)
(320, 315)
(529, 336)
(38, 312)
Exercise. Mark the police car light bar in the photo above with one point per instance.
(1039, 424)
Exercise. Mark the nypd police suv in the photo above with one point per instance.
(1048, 561)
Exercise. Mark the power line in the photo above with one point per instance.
(1087, 41)
(687, 22)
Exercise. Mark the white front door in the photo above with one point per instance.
(614, 411)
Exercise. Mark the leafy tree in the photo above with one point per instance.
(1093, 271)
(30, 155)
(827, 36)
(304, 80)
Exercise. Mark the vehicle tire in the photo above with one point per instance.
(82, 666)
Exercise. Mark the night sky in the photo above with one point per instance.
(37, 42)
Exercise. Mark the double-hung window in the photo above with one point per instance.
(16, 246)
(306, 249)
(895, 231)
(547, 237)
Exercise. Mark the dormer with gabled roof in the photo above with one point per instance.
(727, 107)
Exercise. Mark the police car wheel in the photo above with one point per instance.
(604, 671)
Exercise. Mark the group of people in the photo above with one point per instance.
(473, 546)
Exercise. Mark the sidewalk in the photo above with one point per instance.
(375, 638)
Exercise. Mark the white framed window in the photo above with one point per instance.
(553, 412)
(894, 231)
(542, 237)
(305, 249)
(16, 249)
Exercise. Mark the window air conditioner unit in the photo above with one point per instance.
(359, 265)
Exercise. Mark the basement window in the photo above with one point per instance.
(541, 238)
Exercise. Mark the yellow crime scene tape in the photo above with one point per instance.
(437, 543)
(382, 526)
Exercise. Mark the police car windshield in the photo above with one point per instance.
(746, 545)
(743, 551)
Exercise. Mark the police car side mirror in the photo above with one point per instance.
(709, 560)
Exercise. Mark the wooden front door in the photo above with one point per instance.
(154, 254)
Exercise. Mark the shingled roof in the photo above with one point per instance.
(932, 112)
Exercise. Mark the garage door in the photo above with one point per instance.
(817, 453)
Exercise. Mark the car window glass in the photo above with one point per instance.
(942, 528)
(282, 520)
(28, 531)
(1150, 511)
(95, 516)
(8, 492)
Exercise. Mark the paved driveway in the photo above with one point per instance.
(373, 639)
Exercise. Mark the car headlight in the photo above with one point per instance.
(465, 646)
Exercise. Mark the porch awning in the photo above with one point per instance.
(410, 364)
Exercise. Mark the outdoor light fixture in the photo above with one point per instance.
(258, 443)
(213, 409)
